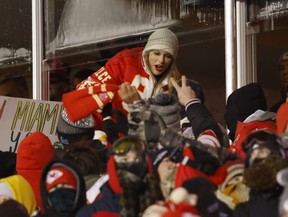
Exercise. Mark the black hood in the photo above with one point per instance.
(80, 199)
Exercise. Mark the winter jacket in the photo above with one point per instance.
(203, 123)
(260, 204)
(258, 120)
(108, 202)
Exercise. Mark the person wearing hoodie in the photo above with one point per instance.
(17, 188)
(34, 152)
(63, 190)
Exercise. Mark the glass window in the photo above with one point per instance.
(268, 21)
(15, 46)
(85, 34)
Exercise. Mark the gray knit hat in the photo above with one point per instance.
(66, 126)
(166, 105)
(163, 39)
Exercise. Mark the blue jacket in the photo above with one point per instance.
(109, 201)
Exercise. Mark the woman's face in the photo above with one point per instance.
(159, 61)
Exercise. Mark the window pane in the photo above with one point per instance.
(16, 40)
(267, 15)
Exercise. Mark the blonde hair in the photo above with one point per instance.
(171, 71)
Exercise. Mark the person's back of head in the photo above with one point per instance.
(243, 102)
(12, 208)
(75, 133)
(87, 161)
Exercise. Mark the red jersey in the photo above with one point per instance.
(127, 66)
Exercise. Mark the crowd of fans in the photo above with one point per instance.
(125, 154)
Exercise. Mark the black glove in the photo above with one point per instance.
(108, 125)
(121, 121)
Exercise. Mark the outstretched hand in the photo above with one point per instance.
(128, 93)
(185, 93)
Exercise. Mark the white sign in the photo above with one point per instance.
(19, 117)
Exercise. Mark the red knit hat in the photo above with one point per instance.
(282, 118)
(60, 175)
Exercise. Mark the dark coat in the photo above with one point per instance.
(108, 202)
(260, 204)
(201, 120)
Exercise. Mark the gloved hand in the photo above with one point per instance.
(108, 125)
(121, 121)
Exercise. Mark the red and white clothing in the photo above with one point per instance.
(127, 66)
(203, 125)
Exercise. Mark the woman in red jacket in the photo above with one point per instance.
(130, 75)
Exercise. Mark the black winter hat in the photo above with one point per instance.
(242, 103)
(203, 188)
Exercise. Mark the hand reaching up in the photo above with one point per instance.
(185, 93)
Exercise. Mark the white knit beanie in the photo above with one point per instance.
(163, 39)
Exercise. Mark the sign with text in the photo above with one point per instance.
(19, 117)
